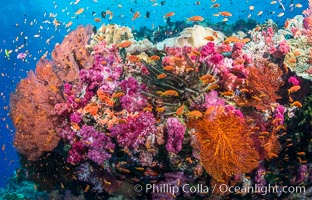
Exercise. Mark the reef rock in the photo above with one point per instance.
(192, 36)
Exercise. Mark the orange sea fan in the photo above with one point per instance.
(262, 85)
(225, 148)
(32, 111)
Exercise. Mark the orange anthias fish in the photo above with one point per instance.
(205, 77)
(124, 44)
(227, 93)
(196, 19)
(136, 15)
(180, 110)
(245, 40)
(169, 68)
(294, 88)
(232, 39)
(257, 28)
(216, 5)
(161, 109)
(213, 87)
(133, 58)
(68, 24)
(195, 113)
(108, 12)
(226, 14)
(169, 14)
(195, 52)
(78, 12)
(97, 19)
(154, 57)
(297, 104)
(118, 94)
(169, 93)
(161, 76)
(209, 38)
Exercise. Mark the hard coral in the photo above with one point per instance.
(225, 148)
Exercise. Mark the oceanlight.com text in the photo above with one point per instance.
(222, 188)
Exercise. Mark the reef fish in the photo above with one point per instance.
(225, 14)
(136, 15)
(297, 104)
(124, 44)
(161, 76)
(195, 19)
(294, 88)
(79, 11)
(169, 93)
(169, 14)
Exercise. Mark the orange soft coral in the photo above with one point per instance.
(92, 108)
(225, 148)
(105, 98)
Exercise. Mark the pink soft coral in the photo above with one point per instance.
(175, 130)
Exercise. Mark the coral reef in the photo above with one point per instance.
(109, 112)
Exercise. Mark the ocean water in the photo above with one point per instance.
(27, 27)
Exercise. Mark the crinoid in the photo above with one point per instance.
(188, 80)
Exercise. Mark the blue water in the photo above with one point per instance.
(23, 18)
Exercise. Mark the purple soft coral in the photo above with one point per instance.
(100, 145)
(175, 130)
(134, 133)
(133, 100)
